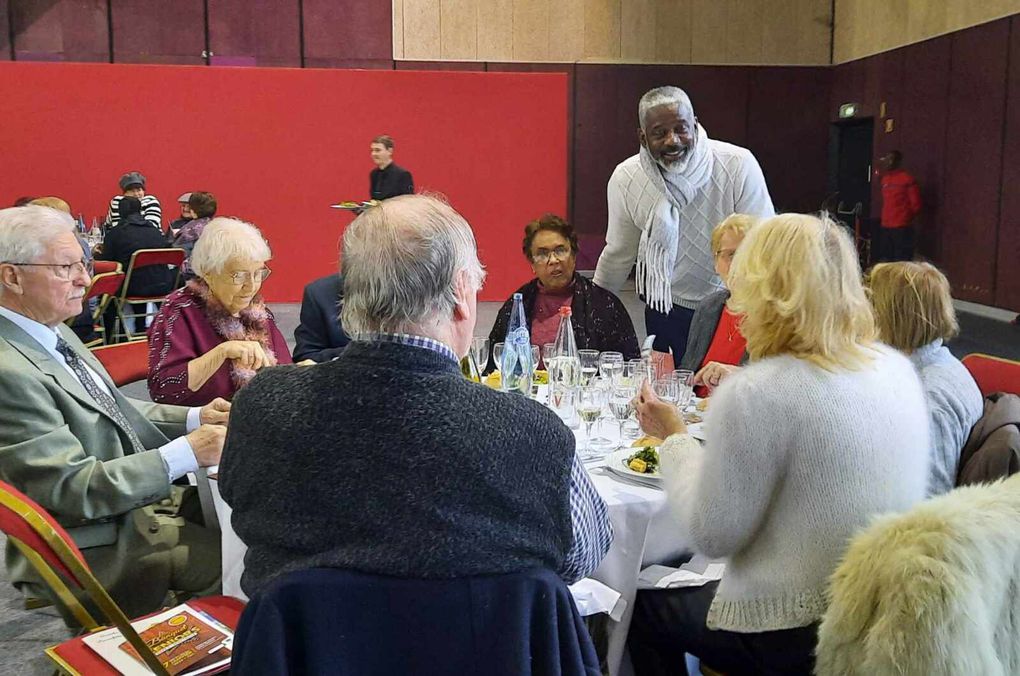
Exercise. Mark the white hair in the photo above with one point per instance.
(25, 231)
(224, 239)
(401, 262)
(664, 96)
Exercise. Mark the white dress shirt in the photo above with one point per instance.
(178, 456)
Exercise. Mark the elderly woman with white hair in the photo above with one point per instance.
(212, 336)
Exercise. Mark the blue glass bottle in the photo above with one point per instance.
(516, 369)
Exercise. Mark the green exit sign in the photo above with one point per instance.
(848, 110)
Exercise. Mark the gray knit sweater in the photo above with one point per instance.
(388, 461)
(797, 459)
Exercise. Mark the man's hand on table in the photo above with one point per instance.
(207, 444)
(216, 412)
(657, 417)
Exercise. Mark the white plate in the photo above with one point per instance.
(617, 462)
(697, 430)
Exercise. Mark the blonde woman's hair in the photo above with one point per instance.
(913, 304)
(738, 224)
(797, 281)
(52, 203)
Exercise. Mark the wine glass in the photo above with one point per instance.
(589, 364)
(621, 405)
(590, 401)
(497, 355)
(480, 351)
(640, 370)
(611, 366)
(548, 352)
(534, 359)
(666, 389)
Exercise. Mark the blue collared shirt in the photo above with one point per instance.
(592, 533)
(178, 456)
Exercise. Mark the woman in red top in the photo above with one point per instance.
(715, 346)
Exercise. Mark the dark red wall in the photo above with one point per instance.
(278, 145)
(955, 106)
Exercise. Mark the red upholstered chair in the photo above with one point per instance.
(105, 287)
(994, 374)
(102, 267)
(144, 258)
(125, 362)
(61, 565)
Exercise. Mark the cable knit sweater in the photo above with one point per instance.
(797, 459)
(954, 406)
(737, 185)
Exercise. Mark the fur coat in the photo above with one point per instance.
(932, 592)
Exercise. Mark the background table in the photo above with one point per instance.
(644, 533)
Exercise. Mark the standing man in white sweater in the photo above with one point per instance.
(663, 204)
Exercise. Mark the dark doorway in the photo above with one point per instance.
(850, 173)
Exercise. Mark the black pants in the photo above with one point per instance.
(895, 244)
(670, 622)
(670, 330)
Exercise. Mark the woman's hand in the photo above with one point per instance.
(713, 373)
(657, 418)
(249, 354)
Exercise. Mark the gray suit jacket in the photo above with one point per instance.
(703, 325)
(61, 449)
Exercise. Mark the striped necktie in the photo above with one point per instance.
(105, 400)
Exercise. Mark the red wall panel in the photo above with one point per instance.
(347, 29)
(67, 30)
(151, 31)
(266, 33)
(785, 133)
(278, 145)
(1007, 285)
(920, 122)
(977, 102)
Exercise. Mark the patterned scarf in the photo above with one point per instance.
(251, 324)
(657, 250)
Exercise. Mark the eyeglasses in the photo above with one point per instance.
(544, 255)
(244, 277)
(62, 270)
(726, 254)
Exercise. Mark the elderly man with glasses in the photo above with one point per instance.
(102, 464)
(599, 318)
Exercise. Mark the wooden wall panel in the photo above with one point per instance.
(1007, 283)
(149, 31)
(638, 20)
(495, 30)
(339, 32)
(673, 31)
(783, 110)
(865, 27)
(397, 7)
(67, 30)
(743, 38)
(796, 32)
(458, 29)
(264, 34)
(602, 29)
(973, 175)
(5, 32)
(530, 30)
(708, 31)
(422, 36)
(566, 32)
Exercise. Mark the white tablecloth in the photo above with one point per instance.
(644, 533)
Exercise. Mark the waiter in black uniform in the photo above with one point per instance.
(387, 179)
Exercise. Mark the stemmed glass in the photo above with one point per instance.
(591, 399)
(497, 355)
(534, 360)
(589, 364)
(480, 351)
(639, 370)
(548, 352)
(621, 405)
(611, 366)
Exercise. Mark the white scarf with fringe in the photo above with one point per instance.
(660, 238)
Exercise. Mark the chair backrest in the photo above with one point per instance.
(143, 258)
(933, 591)
(994, 374)
(54, 555)
(102, 267)
(106, 283)
(125, 362)
(340, 621)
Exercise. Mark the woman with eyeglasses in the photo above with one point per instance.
(599, 318)
(211, 337)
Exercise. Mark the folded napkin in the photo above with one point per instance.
(697, 572)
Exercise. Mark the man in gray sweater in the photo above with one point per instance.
(387, 460)
(663, 204)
